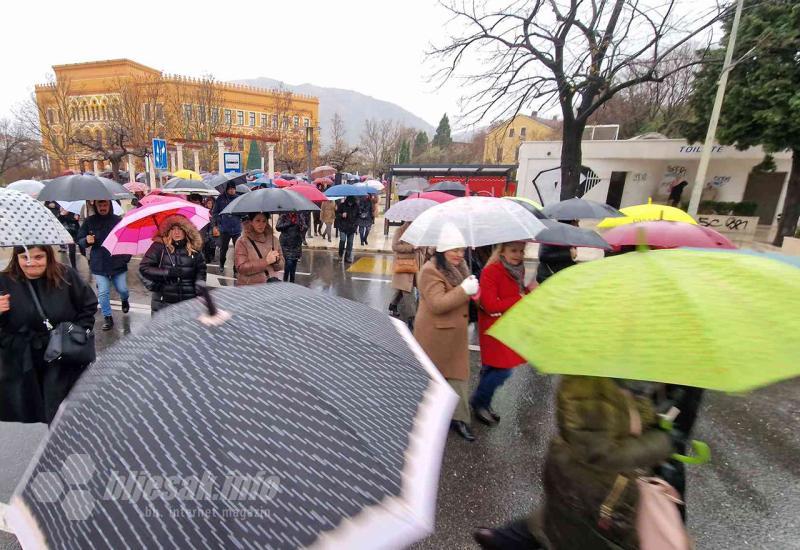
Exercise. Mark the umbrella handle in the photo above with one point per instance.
(202, 290)
(701, 454)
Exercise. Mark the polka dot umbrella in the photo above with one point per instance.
(24, 221)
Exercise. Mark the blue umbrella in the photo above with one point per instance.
(346, 190)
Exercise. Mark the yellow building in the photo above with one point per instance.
(105, 112)
(504, 138)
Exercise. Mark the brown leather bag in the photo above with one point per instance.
(405, 265)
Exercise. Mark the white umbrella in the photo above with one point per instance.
(77, 207)
(408, 210)
(480, 220)
(29, 187)
(375, 184)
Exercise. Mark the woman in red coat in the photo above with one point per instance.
(502, 286)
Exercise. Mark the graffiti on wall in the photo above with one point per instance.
(743, 225)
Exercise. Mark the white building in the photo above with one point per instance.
(627, 172)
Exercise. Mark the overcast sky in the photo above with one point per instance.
(372, 46)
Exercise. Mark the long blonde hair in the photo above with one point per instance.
(167, 240)
(498, 249)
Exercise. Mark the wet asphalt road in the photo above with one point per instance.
(747, 497)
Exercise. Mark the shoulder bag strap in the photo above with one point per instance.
(260, 257)
(38, 305)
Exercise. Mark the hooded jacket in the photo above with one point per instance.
(174, 272)
(292, 227)
(348, 223)
(254, 269)
(101, 262)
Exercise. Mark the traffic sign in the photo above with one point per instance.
(160, 154)
(232, 162)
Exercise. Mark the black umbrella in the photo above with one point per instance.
(450, 187)
(185, 186)
(83, 188)
(580, 209)
(241, 189)
(270, 200)
(221, 181)
(326, 429)
(564, 234)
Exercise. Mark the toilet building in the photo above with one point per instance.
(627, 172)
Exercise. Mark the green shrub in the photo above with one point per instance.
(706, 207)
(745, 208)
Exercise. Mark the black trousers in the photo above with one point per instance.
(223, 246)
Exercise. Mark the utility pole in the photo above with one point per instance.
(705, 156)
(309, 148)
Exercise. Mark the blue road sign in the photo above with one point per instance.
(232, 162)
(160, 154)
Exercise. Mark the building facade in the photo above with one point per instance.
(503, 139)
(109, 111)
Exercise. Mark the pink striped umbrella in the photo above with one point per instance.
(134, 233)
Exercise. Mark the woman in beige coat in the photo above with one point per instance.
(257, 255)
(404, 303)
(445, 288)
(327, 215)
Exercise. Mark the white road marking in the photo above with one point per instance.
(473, 347)
(370, 279)
(301, 273)
(3, 525)
(116, 304)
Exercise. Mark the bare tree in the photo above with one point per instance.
(339, 155)
(379, 142)
(19, 149)
(50, 116)
(577, 53)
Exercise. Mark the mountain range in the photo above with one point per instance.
(353, 107)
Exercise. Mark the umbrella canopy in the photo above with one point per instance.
(309, 191)
(408, 210)
(648, 212)
(479, 220)
(241, 189)
(714, 320)
(220, 181)
(453, 187)
(270, 200)
(181, 186)
(281, 182)
(790, 260)
(188, 175)
(323, 181)
(323, 171)
(340, 448)
(347, 190)
(134, 233)
(411, 185)
(29, 187)
(564, 234)
(375, 184)
(83, 188)
(24, 221)
(666, 235)
(436, 196)
(580, 209)
(531, 206)
(136, 187)
(78, 207)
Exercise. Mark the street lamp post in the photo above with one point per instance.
(309, 147)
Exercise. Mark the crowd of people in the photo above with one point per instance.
(607, 429)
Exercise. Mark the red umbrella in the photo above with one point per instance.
(663, 234)
(323, 181)
(283, 183)
(308, 191)
(437, 196)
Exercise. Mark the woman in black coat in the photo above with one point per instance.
(174, 263)
(292, 227)
(71, 224)
(554, 258)
(31, 389)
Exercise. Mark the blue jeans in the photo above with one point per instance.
(120, 282)
(491, 378)
(346, 245)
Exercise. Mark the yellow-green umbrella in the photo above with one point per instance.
(717, 320)
(188, 175)
(526, 201)
(648, 213)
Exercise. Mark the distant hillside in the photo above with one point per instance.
(352, 106)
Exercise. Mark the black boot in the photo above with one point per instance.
(483, 415)
(108, 323)
(462, 429)
(126, 306)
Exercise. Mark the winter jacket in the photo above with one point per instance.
(593, 447)
(252, 268)
(30, 389)
(366, 216)
(552, 259)
(327, 211)
(70, 223)
(101, 262)
(441, 323)
(402, 250)
(174, 272)
(499, 292)
(292, 227)
(226, 223)
(347, 215)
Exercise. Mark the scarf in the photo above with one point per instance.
(455, 275)
(517, 272)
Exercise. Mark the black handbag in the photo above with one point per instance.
(69, 342)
